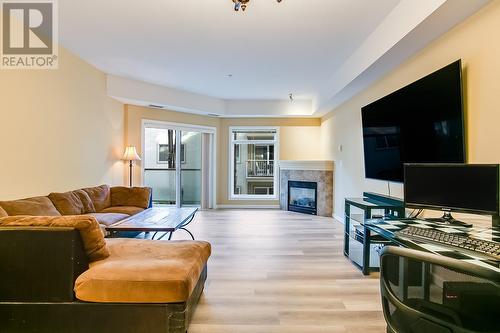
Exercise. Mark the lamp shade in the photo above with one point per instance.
(131, 154)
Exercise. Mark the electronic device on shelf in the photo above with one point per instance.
(420, 123)
(489, 249)
(467, 188)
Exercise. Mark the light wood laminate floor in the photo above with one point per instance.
(273, 271)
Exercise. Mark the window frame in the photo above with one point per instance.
(232, 142)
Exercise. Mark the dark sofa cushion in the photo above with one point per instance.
(87, 226)
(37, 206)
(129, 210)
(130, 196)
(72, 203)
(100, 196)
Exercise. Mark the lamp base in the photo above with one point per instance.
(131, 165)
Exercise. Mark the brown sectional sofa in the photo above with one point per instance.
(81, 282)
(107, 204)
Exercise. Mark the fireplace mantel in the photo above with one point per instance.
(306, 165)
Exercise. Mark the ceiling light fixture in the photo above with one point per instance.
(291, 96)
(243, 4)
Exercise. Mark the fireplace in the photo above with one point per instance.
(302, 197)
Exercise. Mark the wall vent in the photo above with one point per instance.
(156, 106)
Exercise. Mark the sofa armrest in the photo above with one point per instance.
(40, 264)
(131, 196)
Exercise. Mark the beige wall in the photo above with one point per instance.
(299, 139)
(59, 130)
(475, 41)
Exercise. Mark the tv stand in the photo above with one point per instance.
(447, 218)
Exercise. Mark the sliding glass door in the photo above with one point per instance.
(191, 168)
(159, 163)
(174, 165)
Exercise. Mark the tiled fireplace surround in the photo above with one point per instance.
(320, 172)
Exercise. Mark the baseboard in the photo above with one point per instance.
(338, 218)
(248, 206)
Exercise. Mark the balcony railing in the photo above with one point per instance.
(257, 168)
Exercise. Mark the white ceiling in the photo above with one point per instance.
(311, 48)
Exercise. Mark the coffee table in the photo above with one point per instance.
(164, 220)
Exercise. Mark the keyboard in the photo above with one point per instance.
(487, 248)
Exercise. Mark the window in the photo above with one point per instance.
(263, 190)
(183, 153)
(237, 153)
(165, 153)
(253, 167)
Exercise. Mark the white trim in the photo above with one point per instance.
(248, 207)
(143, 151)
(252, 197)
(306, 165)
(232, 142)
(338, 218)
(178, 126)
(213, 178)
(178, 169)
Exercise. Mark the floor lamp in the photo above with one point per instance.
(131, 156)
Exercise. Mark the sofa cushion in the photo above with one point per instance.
(3, 213)
(108, 219)
(100, 196)
(129, 210)
(130, 196)
(88, 205)
(37, 206)
(87, 226)
(144, 271)
(72, 203)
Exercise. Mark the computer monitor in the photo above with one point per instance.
(467, 188)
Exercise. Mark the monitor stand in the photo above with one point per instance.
(447, 218)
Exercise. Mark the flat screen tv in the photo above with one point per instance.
(420, 123)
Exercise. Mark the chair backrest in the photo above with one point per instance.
(427, 293)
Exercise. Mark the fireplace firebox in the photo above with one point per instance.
(302, 197)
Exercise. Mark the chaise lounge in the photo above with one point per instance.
(59, 274)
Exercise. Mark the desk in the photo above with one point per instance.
(387, 229)
(357, 247)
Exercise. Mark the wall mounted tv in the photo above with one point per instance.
(420, 123)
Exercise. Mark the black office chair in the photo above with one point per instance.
(427, 293)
